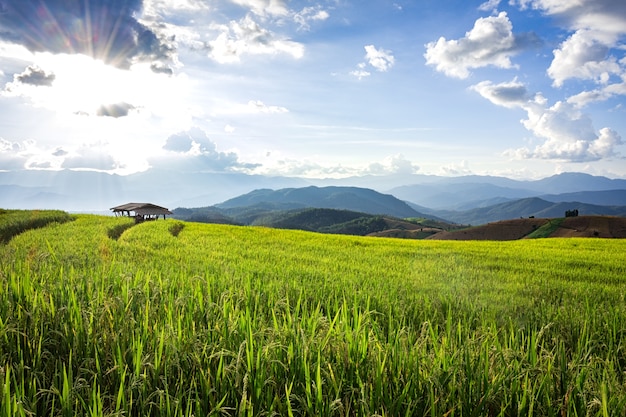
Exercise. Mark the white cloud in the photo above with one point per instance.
(247, 37)
(511, 94)
(257, 106)
(252, 107)
(194, 151)
(276, 164)
(593, 14)
(30, 154)
(568, 133)
(601, 94)
(156, 7)
(310, 14)
(395, 164)
(597, 25)
(380, 59)
(452, 170)
(489, 6)
(265, 7)
(584, 55)
(13, 155)
(94, 157)
(360, 74)
(491, 42)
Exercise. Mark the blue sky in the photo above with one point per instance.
(331, 88)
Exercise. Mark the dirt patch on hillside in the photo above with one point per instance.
(502, 230)
(416, 233)
(583, 226)
(592, 226)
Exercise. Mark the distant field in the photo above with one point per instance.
(100, 317)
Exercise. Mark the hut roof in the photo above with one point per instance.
(142, 209)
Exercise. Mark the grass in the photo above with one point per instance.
(179, 319)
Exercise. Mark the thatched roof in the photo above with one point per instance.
(143, 209)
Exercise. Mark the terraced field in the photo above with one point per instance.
(99, 317)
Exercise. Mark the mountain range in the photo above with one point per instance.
(465, 200)
(258, 206)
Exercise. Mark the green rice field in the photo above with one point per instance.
(101, 317)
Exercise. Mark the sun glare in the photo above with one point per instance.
(83, 84)
(119, 111)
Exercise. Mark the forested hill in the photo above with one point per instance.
(362, 200)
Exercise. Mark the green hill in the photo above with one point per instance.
(343, 198)
(317, 220)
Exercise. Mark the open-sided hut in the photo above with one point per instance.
(141, 211)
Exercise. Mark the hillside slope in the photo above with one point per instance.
(345, 198)
(582, 226)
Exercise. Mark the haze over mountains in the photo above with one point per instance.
(466, 200)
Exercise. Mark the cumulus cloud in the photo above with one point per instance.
(90, 157)
(276, 164)
(33, 75)
(252, 107)
(110, 32)
(598, 26)
(257, 106)
(395, 164)
(380, 59)
(510, 94)
(491, 42)
(155, 7)
(115, 110)
(265, 7)
(489, 6)
(310, 14)
(453, 169)
(599, 94)
(13, 155)
(29, 155)
(193, 151)
(247, 37)
(360, 72)
(608, 15)
(567, 132)
(584, 55)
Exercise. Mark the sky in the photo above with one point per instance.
(314, 89)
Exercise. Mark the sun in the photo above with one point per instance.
(83, 84)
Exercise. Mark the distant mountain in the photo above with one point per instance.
(97, 191)
(571, 182)
(464, 193)
(535, 207)
(346, 198)
(458, 196)
(601, 198)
